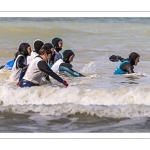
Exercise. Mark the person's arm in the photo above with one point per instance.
(42, 65)
(1, 67)
(115, 58)
(127, 67)
(20, 62)
(22, 73)
(68, 68)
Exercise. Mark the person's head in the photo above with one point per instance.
(134, 58)
(58, 43)
(68, 56)
(45, 53)
(50, 46)
(37, 45)
(24, 49)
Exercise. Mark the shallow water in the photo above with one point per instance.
(99, 102)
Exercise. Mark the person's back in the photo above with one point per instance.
(56, 65)
(33, 74)
(15, 72)
(124, 68)
(20, 61)
(37, 46)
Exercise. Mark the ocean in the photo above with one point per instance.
(98, 103)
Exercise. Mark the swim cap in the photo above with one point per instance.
(37, 45)
(132, 57)
(49, 45)
(66, 55)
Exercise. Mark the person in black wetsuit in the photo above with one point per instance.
(37, 46)
(20, 61)
(51, 47)
(58, 44)
(36, 68)
(64, 64)
(127, 65)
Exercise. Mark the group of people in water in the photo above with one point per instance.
(29, 67)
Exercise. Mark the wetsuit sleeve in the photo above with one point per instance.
(68, 68)
(127, 67)
(1, 67)
(121, 59)
(42, 65)
(20, 62)
(22, 73)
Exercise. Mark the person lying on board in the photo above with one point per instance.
(127, 65)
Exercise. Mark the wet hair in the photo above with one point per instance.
(132, 57)
(66, 55)
(45, 49)
(55, 43)
(23, 50)
(37, 45)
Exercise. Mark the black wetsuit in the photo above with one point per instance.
(20, 62)
(127, 67)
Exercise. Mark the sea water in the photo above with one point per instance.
(99, 102)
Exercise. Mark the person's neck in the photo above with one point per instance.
(58, 49)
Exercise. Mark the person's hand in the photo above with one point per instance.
(65, 83)
(81, 75)
(115, 58)
(18, 84)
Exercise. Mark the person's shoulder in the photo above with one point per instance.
(34, 53)
(126, 63)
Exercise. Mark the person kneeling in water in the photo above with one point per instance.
(58, 44)
(38, 65)
(64, 64)
(127, 65)
(20, 61)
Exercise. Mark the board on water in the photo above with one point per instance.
(135, 75)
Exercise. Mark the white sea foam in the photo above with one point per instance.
(12, 95)
(122, 102)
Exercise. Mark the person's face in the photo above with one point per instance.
(71, 58)
(137, 60)
(60, 44)
(29, 50)
(52, 50)
(46, 57)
